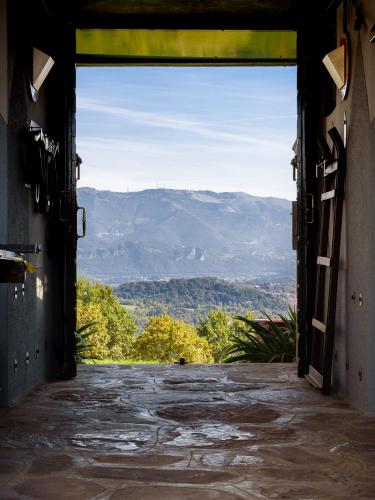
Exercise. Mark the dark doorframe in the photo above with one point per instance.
(68, 368)
(316, 98)
(306, 133)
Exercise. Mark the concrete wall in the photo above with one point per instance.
(354, 354)
(33, 322)
(3, 190)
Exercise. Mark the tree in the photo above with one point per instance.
(115, 326)
(239, 328)
(165, 340)
(217, 328)
(87, 313)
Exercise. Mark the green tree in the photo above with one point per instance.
(165, 340)
(217, 328)
(115, 326)
(239, 327)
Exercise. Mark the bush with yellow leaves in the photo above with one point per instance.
(165, 340)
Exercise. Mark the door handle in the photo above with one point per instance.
(83, 222)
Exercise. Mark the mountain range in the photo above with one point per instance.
(165, 233)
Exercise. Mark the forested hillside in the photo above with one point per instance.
(188, 299)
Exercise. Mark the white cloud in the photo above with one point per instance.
(140, 130)
(121, 165)
(160, 120)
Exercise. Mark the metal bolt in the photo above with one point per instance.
(15, 366)
(181, 362)
(37, 352)
(27, 359)
(15, 293)
(360, 300)
(23, 290)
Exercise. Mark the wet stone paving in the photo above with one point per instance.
(210, 432)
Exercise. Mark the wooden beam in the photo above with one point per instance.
(318, 325)
(328, 195)
(315, 378)
(324, 261)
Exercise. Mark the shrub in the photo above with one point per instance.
(165, 340)
(271, 343)
(82, 347)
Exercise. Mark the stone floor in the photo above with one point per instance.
(215, 432)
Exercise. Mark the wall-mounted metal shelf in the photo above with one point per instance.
(21, 248)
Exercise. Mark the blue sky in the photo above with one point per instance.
(219, 129)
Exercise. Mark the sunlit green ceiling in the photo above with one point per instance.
(126, 46)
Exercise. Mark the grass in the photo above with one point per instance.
(108, 361)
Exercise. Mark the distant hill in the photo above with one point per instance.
(193, 291)
(161, 233)
(188, 299)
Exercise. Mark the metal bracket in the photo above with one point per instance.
(78, 167)
(49, 144)
(294, 164)
(21, 248)
(83, 222)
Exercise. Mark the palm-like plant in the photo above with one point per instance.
(82, 349)
(271, 343)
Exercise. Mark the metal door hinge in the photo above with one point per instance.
(309, 208)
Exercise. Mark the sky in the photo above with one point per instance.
(198, 128)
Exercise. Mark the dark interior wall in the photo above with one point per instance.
(3, 194)
(32, 322)
(3, 234)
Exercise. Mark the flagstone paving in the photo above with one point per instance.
(215, 432)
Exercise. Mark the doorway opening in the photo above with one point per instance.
(188, 189)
